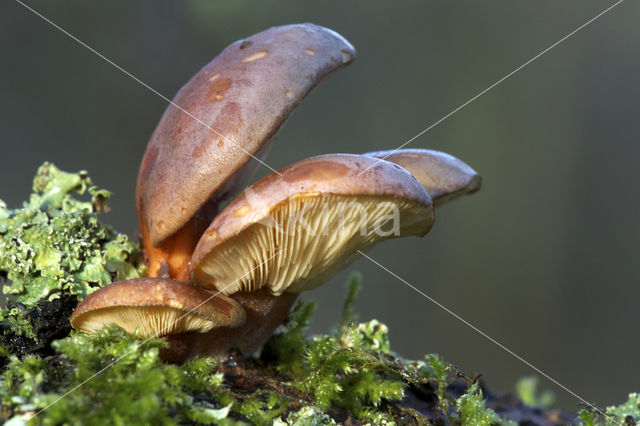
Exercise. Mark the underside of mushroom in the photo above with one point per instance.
(155, 307)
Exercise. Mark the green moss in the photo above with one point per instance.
(472, 410)
(55, 244)
(132, 387)
(348, 369)
(262, 408)
(355, 369)
(527, 391)
(114, 377)
(306, 416)
(627, 413)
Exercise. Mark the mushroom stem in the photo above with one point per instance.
(171, 258)
(264, 314)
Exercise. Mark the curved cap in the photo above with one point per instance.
(241, 98)
(294, 231)
(156, 307)
(443, 176)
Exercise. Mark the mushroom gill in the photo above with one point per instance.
(306, 240)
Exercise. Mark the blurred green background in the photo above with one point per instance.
(544, 258)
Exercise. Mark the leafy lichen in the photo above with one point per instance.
(55, 244)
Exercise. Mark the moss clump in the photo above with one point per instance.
(355, 369)
(472, 410)
(55, 243)
(306, 416)
(122, 381)
(627, 413)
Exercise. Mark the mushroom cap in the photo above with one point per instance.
(243, 96)
(156, 307)
(443, 176)
(294, 231)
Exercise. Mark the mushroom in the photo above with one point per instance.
(293, 230)
(289, 232)
(443, 176)
(218, 128)
(156, 307)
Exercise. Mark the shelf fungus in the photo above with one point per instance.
(289, 232)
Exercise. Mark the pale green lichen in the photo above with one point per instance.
(56, 244)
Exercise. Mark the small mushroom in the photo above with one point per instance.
(443, 176)
(156, 307)
(293, 230)
(210, 140)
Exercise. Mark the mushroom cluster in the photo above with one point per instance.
(227, 278)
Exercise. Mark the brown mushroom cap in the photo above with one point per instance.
(244, 95)
(156, 307)
(294, 231)
(443, 176)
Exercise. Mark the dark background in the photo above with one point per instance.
(544, 258)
